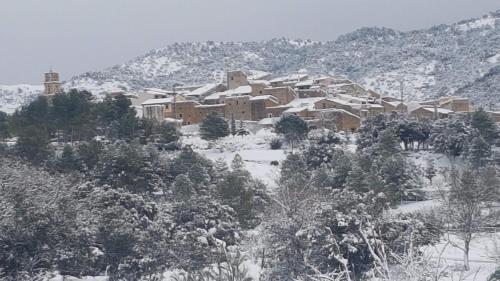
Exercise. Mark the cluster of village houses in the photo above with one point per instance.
(263, 99)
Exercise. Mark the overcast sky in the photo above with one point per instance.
(74, 36)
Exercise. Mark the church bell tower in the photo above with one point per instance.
(52, 84)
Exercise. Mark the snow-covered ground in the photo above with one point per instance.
(484, 257)
(253, 148)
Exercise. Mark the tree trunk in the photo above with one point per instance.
(466, 255)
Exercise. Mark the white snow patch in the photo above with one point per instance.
(494, 59)
(479, 23)
(14, 96)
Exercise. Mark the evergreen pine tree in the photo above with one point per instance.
(4, 126)
(485, 125)
(68, 161)
(292, 127)
(214, 127)
(388, 143)
(233, 126)
(480, 152)
(220, 168)
(183, 187)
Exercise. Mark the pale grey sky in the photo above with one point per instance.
(75, 36)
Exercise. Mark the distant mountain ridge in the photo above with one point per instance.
(461, 58)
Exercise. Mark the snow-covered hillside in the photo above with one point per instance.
(461, 58)
(12, 97)
(431, 62)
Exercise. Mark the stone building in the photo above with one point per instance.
(455, 104)
(258, 87)
(220, 97)
(238, 107)
(205, 109)
(205, 90)
(52, 84)
(284, 95)
(155, 112)
(430, 113)
(236, 79)
(259, 105)
(186, 111)
(349, 88)
(289, 80)
(151, 108)
(342, 120)
(311, 93)
(394, 106)
(495, 115)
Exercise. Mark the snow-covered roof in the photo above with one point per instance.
(394, 103)
(308, 82)
(339, 110)
(339, 101)
(339, 85)
(263, 82)
(452, 100)
(352, 98)
(157, 91)
(158, 101)
(263, 97)
(258, 75)
(130, 95)
(202, 90)
(291, 77)
(269, 121)
(173, 120)
(305, 102)
(296, 109)
(439, 109)
(279, 106)
(210, 105)
(242, 90)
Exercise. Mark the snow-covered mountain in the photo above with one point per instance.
(461, 58)
(11, 97)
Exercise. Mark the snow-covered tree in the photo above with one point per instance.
(293, 128)
(468, 207)
(485, 125)
(430, 170)
(480, 153)
(214, 127)
(450, 136)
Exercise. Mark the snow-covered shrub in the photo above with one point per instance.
(275, 144)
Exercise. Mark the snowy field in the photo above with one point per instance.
(484, 257)
(253, 148)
